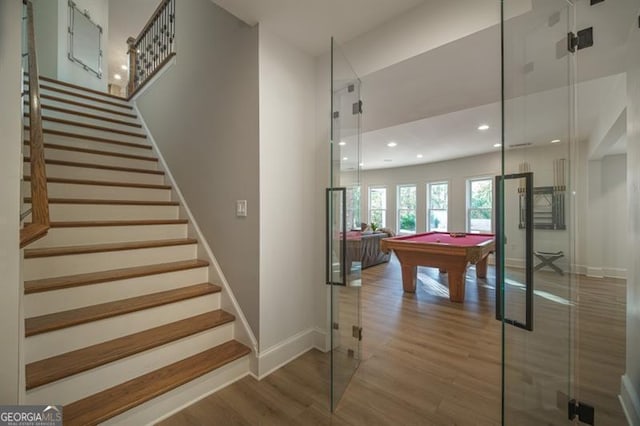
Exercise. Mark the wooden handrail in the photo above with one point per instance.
(39, 225)
(152, 48)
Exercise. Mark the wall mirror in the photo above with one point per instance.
(85, 40)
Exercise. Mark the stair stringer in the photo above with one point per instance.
(228, 301)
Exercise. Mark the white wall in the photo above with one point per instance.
(52, 22)
(203, 114)
(10, 175)
(289, 223)
(630, 389)
(455, 172)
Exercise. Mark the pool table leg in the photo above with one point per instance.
(409, 278)
(481, 268)
(457, 282)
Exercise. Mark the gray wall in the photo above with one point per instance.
(203, 113)
(10, 175)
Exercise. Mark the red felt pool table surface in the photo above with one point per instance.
(446, 238)
(441, 250)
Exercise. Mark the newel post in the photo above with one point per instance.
(131, 42)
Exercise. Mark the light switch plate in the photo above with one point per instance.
(241, 208)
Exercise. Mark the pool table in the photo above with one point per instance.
(441, 250)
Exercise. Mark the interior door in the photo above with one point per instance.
(343, 213)
(534, 289)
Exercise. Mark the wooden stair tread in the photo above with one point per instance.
(88, 115)
(57, 283)
(91, 126)
(58, 367)
(91, 223)
(86, 89)
(95, 151)
(83, 105)
(88, 97)
(101, 183)
(83, 201)
(103, 248)
(98, 166)
(106, 404)
(60, 320)
(92, 138)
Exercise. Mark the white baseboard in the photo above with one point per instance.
(286, 351)
(630, 401)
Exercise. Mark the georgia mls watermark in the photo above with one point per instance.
(30, 415)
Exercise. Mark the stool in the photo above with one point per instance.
(547, 259)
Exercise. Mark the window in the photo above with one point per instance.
(353, 207)
(378, 206)
(406, 209)
(479, 205)
(437, 206)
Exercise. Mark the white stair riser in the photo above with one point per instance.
(92, 121)
(93, 381)
(56, 85)
(58, 237)
(86, 173)
(78, 130)
(76, 297)
(57, 342)
(91, 144)
(99, 192)
(106, 160)
(84, 109)
(73, 212)
(75, 98)
(157, 409)
(57, 266)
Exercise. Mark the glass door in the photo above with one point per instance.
(534, 294)
(343, 230)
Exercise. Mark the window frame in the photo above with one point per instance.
(429, 209)
(468, 209)
(383, 210)
(399, 208)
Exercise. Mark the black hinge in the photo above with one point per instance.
(357, 108)
(351, 88)
(584, 412)
(336, 326)
(582, 40)
(356, 332)
(336, 114)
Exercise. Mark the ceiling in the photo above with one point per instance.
(432, 103)
(309, 24)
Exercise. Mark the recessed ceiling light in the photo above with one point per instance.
(555, 141)
(419, 156)
(361, 164)
(392, 144)
(124, 67)
(483, 127)
(497, 145)
(342, 143)
(345, 158)
(117, 76)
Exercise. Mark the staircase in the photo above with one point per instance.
(121, 322)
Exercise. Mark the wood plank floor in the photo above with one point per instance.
(427, 361)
